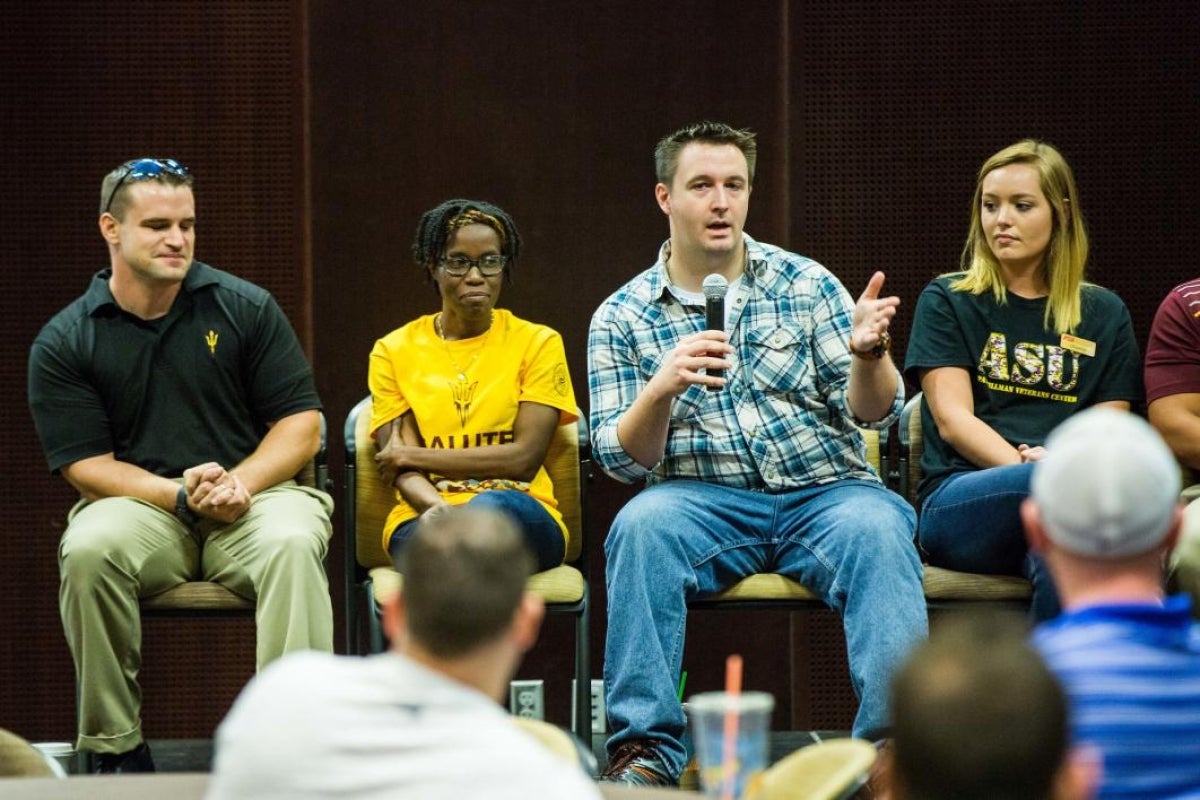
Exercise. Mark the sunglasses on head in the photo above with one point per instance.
(142, 169)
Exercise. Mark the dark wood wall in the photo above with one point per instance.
(873, 118)
(86, 86)
(320, 131)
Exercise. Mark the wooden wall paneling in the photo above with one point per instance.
(218, 86)
(895, 107)
(554, 117)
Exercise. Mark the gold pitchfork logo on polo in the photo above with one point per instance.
(211, 340)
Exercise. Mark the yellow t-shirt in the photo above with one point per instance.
(466, 393)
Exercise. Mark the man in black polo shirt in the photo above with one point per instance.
(176, 399)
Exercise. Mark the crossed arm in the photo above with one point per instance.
(406, 463)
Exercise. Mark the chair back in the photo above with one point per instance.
(552, 737)
(830, 770)
(874, 451)
(18, 758)
(912, 446)
(372, 501)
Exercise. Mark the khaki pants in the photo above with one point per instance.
(120, 549)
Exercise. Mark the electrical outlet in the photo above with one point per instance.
(527, 699)
(599, 712)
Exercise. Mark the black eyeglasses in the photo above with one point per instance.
(142, 168)
(459, 266)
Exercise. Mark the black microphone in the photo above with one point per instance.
(715, 287)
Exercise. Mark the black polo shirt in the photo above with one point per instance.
(197, 385)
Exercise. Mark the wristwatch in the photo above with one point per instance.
(182, 511)
(881, 348)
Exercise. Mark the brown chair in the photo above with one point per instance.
(946, 588)
(370, 577)
(205, 598)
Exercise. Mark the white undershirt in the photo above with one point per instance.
(697, 298)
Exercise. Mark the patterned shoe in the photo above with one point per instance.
(637, 763)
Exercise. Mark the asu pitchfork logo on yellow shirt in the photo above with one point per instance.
(463, 393)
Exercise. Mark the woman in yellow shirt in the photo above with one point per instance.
(465, 400)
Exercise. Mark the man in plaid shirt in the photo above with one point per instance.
(760, 470)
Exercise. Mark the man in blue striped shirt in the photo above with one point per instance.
(759, 469)
(1104, 512)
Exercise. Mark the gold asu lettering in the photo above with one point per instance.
(1030, 368)
(993, 361)
(1056, 358)
(1031, 363)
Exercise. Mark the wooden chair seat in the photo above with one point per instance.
(944, 585)
(941, 586)
(198, 596)
(563, 584)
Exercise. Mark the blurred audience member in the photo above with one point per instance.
(423, 720)
(979, 716)
(1104, 513)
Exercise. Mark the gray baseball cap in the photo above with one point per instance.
(1108, 485)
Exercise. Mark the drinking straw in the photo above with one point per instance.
(682, 683)
(733, 688)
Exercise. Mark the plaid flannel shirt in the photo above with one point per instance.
(781, 422)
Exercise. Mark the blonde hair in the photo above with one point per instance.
(1066, 255)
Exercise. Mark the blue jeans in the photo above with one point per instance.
(850, 542)
(542, 534)
(972, 523)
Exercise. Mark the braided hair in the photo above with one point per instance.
(438, 224)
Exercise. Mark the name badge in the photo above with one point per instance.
(1084, 347)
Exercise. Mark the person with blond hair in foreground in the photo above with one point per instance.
(1104, 514)
(422, 720)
